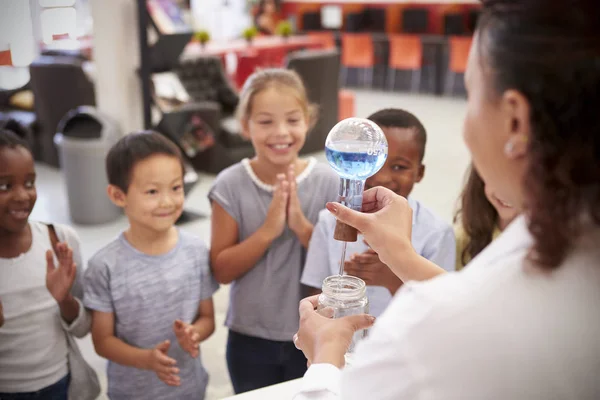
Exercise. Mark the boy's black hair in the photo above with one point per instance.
(133, 148)
(398, 118)
(11, 140)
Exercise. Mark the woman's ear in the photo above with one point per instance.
(518, 126)
(116, 195)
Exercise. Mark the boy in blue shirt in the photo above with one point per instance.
(432, 237)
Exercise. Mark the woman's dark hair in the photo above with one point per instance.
(477, 216)
(133, 148)
(11, 140)
(550, 52)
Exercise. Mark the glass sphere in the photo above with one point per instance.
(356, 148)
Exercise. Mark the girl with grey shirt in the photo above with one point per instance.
(263, 212)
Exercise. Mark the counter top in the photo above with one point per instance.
(282, 391)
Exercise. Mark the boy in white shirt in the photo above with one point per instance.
(432, 237)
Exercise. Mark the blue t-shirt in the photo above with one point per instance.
(432, 238)
(147, 294)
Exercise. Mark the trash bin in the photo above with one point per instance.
(84, 137)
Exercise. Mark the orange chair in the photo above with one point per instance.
(459, 54)
(358, 52)
(327, 39)
(406, 53)
(346, 104)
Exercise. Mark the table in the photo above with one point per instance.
(239, 46)
(282, 391)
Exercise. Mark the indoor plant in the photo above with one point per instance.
(284, 29)
(202, 36)
(250, 33)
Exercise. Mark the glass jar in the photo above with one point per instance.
(345, 295)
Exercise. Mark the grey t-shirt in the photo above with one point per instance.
(147, 294)
(264, 301)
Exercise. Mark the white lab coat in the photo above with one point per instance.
(499, 329)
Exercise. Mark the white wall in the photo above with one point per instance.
(116, 60)
(16, 31)
(224, 19)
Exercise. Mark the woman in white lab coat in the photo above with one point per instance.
(522, 321)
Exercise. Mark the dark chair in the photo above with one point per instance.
(214, 101)
(319, 70)
(354, 22)
(374, 19)
(311, 21)
(415, 20)
(472, 20)
(59, 85)
(205, 80)
(454, 25)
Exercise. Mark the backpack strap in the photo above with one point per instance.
(53, 237)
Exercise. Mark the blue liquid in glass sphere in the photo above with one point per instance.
(353, 161)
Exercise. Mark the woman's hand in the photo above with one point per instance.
(324, 340)
(385, 222)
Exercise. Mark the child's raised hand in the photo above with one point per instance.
(163, 365)
(368, 267)
(295, 217)
(276, 215)
(188, 338)
(60, 280)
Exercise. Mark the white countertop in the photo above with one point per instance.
(282, 391)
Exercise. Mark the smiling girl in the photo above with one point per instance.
(41, 308)
(263, 212)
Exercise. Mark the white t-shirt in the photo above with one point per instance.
(33, 343)
(499, 329)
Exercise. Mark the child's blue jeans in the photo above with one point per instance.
(56, 391)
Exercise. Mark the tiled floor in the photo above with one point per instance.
(446, 159)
